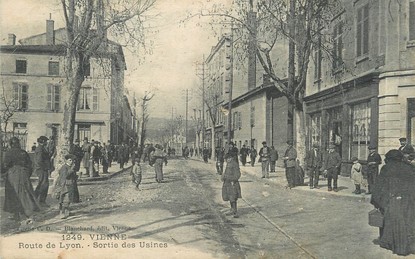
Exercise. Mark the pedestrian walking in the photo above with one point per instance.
(95, 156)
(264, 155)
(253, 154)
(136, 173)
(314, 161)
(273, 157)
(290, 158)
(220, 159)
(331, 166)
(373, 162)
(63, 185)
(86, 146)
(356, 175)
(20, 199)
(121, 157)
(41, 169)
(205, 154)
(243, 153)
(231, 189)
(105, 158)
(394, 195)
(157, 158)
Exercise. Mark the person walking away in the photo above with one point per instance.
(243, 154)
(205, 154)
(290, 157)
(136, 173)
(273, 157)
(394, 195)
(121, 151)
(95, 157)
(231, 189)
(220, 159)
(63, 187)
(356, 175)
(85, 160)
(253, 155)
(158, 157)
(105, 158)
(331, 165)
(41, 169)
(314, 161)
(20, 199)
(373, 162)
(264, 154)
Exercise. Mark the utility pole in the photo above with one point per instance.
(187, 104)
(230, 86)
(200, 72)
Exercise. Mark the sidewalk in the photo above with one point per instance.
(345, 185)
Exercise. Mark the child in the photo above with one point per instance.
(136, 173)
(64, 185)
(356, 175)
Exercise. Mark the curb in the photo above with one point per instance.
(102, 177)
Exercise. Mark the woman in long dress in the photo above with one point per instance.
(394, 195)
(231, 189)
(19, 194)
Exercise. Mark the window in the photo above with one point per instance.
(21, 96)
(360, 130)
(95, 99)
(53, 68)
(337, 46)
(20, 127)
(362, 31)
(53, 97)
(412, 20)
(83, 100)
(315, 129)
(21, 66)
(84, 131)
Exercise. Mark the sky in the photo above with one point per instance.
(171, 68)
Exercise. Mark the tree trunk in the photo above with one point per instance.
(300, 129)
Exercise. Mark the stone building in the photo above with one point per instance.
(366, 96)
(32, 79)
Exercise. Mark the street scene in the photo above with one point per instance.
(207, 129)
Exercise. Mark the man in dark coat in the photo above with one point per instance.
(86, 146)
(290, 157)
(273, 157)
(314, 161)
(331, 165)
(406, 149)
(252, 154)
(394, 195)
(76, 150)
(41, 169)
(373, 162)
(220, 159)
(243, 154)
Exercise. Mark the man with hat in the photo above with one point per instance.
(314, 161)
(331, 165)
(86, 146)
(64, 185)
(406, 149)
(290, 157)
(41, 169)
(264, 154)
(373, 162)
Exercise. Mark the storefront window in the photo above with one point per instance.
(315, 129)
(360, 130)
(335, 128)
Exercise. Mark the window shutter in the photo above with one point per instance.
(359, 33)
(366, 30)
(49, 98)
(57, 98)
(95, 99)
(25, 99)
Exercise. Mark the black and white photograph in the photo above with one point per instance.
(207, 129)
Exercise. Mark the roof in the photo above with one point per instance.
(33, 49)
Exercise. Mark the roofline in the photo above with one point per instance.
(257, 90)
(216, 48)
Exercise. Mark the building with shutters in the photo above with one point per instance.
(366, 96)
(32, 75)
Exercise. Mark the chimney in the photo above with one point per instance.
(12, 39)
(50, 31)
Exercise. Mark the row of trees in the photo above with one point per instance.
(303, 23)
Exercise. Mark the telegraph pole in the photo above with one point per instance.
(200, 72)
(230, 86)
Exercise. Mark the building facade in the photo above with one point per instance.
(33, 75)
(365, 95)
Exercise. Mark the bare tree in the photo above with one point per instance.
(89, 24)
(145, 115)
(8, 106)
(269, 22)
